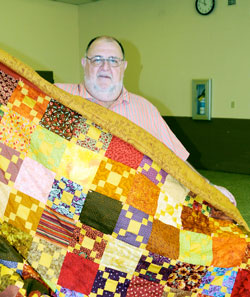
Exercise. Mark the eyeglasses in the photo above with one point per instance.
(99, 61)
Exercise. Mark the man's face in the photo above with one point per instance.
(104, 82)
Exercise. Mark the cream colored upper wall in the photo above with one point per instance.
(43, 34)
(168, 44)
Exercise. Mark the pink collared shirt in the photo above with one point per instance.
(138, 110)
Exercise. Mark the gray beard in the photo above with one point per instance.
(106, 92)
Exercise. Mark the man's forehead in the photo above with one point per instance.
(103, 46)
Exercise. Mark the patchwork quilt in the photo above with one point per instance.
(93, 205)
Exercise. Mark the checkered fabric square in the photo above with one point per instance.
(225, 228)
(7, 86)
(46, 258)
(168, 210)
(23, 211)
(10, 163)
(47, 148)
(113, 179)
(9, 277)
(154, 267)
(88, 242)
(67, 198)
(60, 119)
(110, 283)
(152, 171)
(133, 226)
(4, 194)
(28, 102)
(12, 125)
(64, 292)
(218, 282)
(91, 136)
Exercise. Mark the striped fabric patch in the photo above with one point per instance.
(55, 228)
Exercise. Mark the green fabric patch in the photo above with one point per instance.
(47, 148)
(195, 248)
(100, 212)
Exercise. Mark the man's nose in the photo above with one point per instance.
(105, 65)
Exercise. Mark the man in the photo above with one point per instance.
(104, 66)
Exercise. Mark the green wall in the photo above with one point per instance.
(43, 34)
(168, 44)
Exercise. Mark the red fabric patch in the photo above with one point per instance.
(124, 152)
(77, 273)
(242, 284)
(142, 287)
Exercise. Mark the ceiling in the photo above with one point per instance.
(76, 2)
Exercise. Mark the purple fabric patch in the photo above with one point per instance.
(213, 277)
(150, 170)
(133, 226)
(60, 191)
(152, 262)
(102, 278)
(10, 155)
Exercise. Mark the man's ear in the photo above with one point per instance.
(125, 65)
(83, 61)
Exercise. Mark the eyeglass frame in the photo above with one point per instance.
(120, 60)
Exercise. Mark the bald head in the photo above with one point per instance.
(107, 39)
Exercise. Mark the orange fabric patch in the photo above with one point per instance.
(164, 240)
(224, 228)
(144, 194)
(113, 179)
(228, 251)
(28, 102)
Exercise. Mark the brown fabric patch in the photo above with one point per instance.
(246, 259)
(164, 240)
(228, 251)
(177, 293)
(7, 86)
(193, 220)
